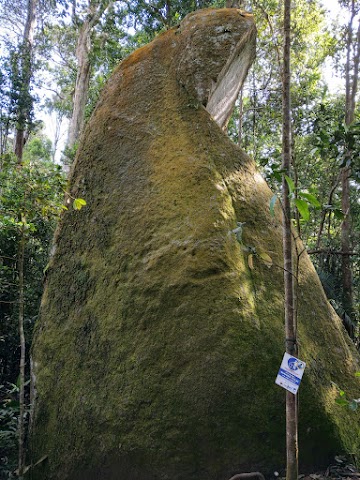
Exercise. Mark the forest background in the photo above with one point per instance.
(55, 57)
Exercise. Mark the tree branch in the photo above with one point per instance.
(98, 14)
(331, 252)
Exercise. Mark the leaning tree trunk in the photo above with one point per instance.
(26, 70)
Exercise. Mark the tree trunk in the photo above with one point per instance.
(81, 93)
(351, 79)
(346, 267)
(4, 132)
(83, 50)
(290, 319)
(21, 423)
(58, 134)
(19, 143)
(26, 74)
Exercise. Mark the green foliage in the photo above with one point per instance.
(302, 200)
(159, 15)
(5, 116)
(321, 141)
(291, 185)
(69, 154)
(326, 141)
(78, 203)
(33, 191)
(21, 99)
(38, 148)
(303, 208)
(108, 46)
(311, 199)
(30, 202)
(9, 410)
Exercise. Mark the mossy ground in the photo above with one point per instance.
(157, 348)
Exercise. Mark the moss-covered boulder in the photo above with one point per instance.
(157, 346)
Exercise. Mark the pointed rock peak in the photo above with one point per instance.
(219, 48)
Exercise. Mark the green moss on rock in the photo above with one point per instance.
(157, 348)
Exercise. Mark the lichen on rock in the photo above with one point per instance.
(157, 347)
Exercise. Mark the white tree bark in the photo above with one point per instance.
(81, 93)
(83, 51)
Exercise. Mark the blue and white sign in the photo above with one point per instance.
(290, 373)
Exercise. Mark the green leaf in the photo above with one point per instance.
(341, 401)
(79, 203)
(272, 205)
(338, 214)
(357, 374)
(291, 184)
(303, 208)
(277, 175)
(311, 199)
(266, 259)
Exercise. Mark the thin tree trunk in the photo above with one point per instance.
(21, 424)
(57, 136)
(346, 265)
(20, 138)
(4, 132)
(351, 79)
(290, 320)
(26, 74)
(81, 93)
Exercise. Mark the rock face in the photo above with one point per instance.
(157, 347)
